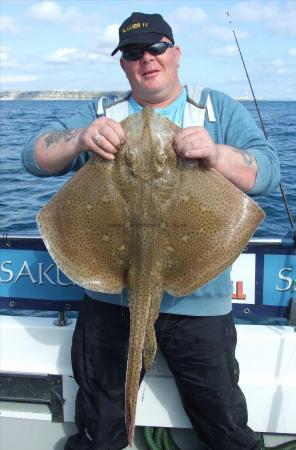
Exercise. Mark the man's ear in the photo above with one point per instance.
(178, 53)
(122, 64)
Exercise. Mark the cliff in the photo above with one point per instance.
(51, 95)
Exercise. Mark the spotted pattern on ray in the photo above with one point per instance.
(148, 221)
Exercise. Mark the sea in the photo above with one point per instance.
(23, 195)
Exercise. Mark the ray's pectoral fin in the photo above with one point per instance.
(84, 229)
(216, 223)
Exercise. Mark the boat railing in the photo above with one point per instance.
(273, 241)
(263, 278)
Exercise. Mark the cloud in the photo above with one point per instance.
(63, 55)
(278, 62)
(47, 10)
(8, 25)
(283, 71)
(226, 50)
(17, 78)
(5, 60)
(110, 35)
(189, 15)
(105, 43)
(218, 32)
(279, 17)
(98, 57)
(254, 11)
(286, 24)
(222, 33)
(4, 54)
(292, 51)
(281, 66)
(79, 22)
(75, 20)
(74, 55)
(192, 14)
(107, 40)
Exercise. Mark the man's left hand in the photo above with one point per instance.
(195, 142)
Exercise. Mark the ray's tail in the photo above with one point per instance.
(142, 302)
(139, 311)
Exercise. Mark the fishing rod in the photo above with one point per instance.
(290, 217)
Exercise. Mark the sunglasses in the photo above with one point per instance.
(134, 54)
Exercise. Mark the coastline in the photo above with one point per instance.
(89, 95)
(53, 95)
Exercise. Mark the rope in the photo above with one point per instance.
(149, 439)
(159, 439)
(286, 446)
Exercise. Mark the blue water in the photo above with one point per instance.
(23, 195)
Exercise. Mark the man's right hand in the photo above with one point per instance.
(103, 137)
(55, 150)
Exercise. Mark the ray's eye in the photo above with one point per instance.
(131, 159)
(160, 161)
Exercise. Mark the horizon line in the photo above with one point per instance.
(6, 92)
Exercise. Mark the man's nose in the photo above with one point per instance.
(147, 56)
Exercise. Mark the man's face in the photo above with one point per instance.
(153, 77)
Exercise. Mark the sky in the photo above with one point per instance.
(66, 44)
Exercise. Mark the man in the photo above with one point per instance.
(195, 333)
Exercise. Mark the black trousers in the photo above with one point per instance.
(200, 352)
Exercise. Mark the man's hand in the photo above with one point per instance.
(237, 165)
(55, 150)
(195, 142)
(103, 137)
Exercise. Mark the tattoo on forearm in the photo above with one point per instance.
(247, 157)
(57, 136)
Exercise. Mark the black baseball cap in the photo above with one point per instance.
(142, 28)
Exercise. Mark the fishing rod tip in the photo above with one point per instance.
(228, 14)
